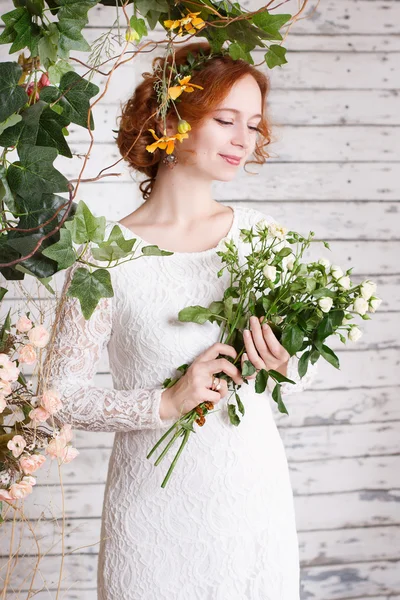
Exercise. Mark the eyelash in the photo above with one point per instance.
(229, 123)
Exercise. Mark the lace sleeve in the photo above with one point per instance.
(301, 383)
(70, 367)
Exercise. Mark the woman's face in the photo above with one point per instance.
(224, 132)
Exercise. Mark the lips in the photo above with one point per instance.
(231, 159)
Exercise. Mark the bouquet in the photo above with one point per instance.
(303, 303)
(23, 433)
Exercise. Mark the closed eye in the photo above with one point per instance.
(229, 123)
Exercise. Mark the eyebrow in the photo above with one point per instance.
(238, 112)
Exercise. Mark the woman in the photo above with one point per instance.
(224, 526)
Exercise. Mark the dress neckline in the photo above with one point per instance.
(199, 253)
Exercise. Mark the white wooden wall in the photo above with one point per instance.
(335, 170)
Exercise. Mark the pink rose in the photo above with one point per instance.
(27, 354)
(39, 414)
(3, 403)
(69, 454)
(51, 401)
(5, 495)
(20, 490)
(55, 447)
(23, 324)
(66, 432)
(8, 369)
(30, 464)
(39, 336)
(16, 445)
(5, 388)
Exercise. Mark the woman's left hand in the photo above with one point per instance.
(263, 349)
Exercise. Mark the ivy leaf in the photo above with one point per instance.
(47, 47)
(72, 18)
(10, 122)
(62, 251)
(89, 288)
(5, 192)
(34, 173)
(12, 96)
(85, 227)
(73, 95)
(275, 56)
(270, 24)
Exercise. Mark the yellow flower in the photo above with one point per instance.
(165, 142)
(190, 22)
(176, 90)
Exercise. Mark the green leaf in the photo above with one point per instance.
(139, 25)
(34, 173)
(276, 395)
(85, 226)
(62, 251)
(10, 122)
(72, 18)
(302, 366)
(12, 96)
(154, 250)
(194, 314)
(5, 192)
(248, 369)
(73, 95)
(239, 403)
(89, 288)
(328, 354)
(292, 339)
(233, 416)
(276, 56)
(279, 377)
(271, 24)
(261, 381)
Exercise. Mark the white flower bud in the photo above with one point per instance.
(344, 282)
(374, 303)
(360, 305)
(346, 319)
(325, 303)
(367, 288)
(325, 263)
(270, 272)
(354, 334)
(336, 271)
(290, 264)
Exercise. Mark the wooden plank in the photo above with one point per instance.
(317, 476)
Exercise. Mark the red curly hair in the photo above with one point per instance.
(217, 76)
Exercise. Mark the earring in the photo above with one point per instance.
(170, 160)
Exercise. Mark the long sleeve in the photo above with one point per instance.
(71, 364)
(301, 383)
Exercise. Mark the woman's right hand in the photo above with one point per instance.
(194, 387)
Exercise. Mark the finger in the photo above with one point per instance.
(222, 364)
(274, 346)
(259, 341)
(216, 349)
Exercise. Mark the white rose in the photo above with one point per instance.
(290, 264)
(336, 271)
(344, 282)
(325, 263)
(374, 303)
(325, 303)
(360, 305)
(262, 225)
(269, 272)
(367, 288)
(354, 334)
(38, 336)
(276, 230)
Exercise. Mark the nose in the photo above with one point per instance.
(241, 136)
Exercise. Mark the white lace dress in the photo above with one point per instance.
(224, 526)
